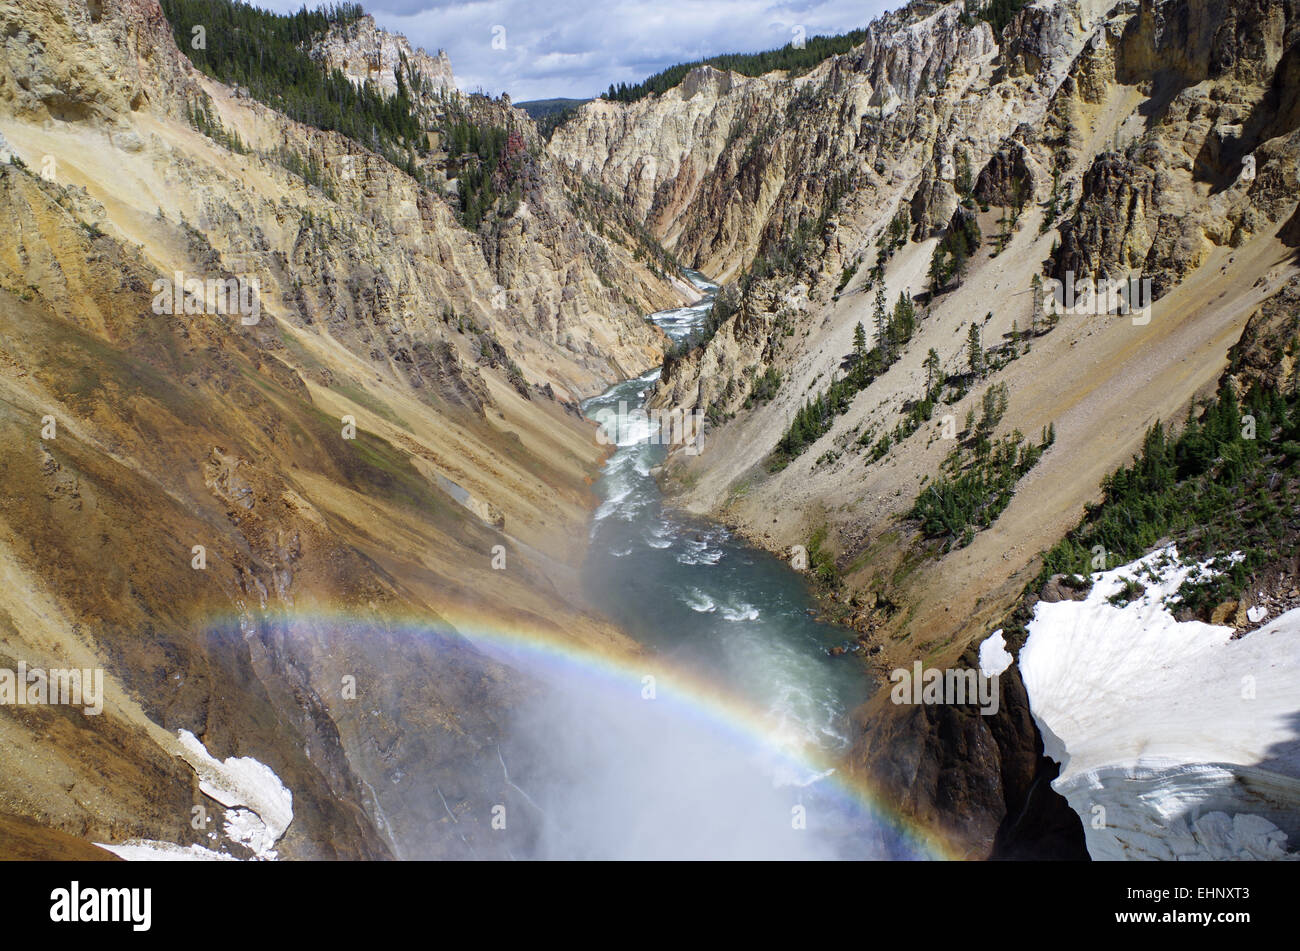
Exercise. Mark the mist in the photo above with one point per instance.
(598, 770)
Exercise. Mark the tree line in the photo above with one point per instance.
(893, 329)
(796, 60)
(241, 45)
(978, 478)
(1226, 482)
(998, 13)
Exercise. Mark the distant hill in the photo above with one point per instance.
(550, 113)
(540, 108)
(795, 59)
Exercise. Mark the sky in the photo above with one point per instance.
(539, 49)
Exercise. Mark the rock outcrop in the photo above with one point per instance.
(366, 54)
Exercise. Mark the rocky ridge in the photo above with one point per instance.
(364, 53)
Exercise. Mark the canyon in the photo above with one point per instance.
(325, 543)
(457, 365)
(1124, 127)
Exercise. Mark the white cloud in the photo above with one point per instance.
(578, 48)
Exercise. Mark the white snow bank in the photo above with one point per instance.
(1175, 741)
(243, 781)
(150, 850)
(246, 827)
(258, 807)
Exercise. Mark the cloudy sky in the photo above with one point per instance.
(576, 48)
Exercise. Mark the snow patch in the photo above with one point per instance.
(242, 781)
(151, 850)
(994, 656)
(1175, 740)
(258, 808)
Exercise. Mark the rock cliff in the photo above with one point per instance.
(364, 53)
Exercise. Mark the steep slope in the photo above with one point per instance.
(372, 441)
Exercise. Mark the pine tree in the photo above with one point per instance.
(1061, 157)
(881, 321)
(931, 371)
(989, 416)
(963, 177)
(938, 269)
(859, 341)
(976, 351)
(905, 317)
(959, 260)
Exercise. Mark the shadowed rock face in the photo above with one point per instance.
(1005, 178)
(982, 782)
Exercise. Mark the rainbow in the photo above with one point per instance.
(557, 659)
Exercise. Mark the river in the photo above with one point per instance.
(727, 745)
(702, 597)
